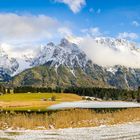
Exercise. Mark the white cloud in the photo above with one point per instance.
(94, 32)
(135, 23)
(64, 31)
(75, 39)
(126, 35)
(74, 5)
(18, 51)
(107, 56)
(26, 27)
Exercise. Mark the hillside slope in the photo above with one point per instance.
(43, 76)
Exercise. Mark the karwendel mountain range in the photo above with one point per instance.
(66, 64)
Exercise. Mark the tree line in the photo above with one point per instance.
(31, 89)
(103, 93)
(2, 89)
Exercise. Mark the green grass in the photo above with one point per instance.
(27, 96)
(33, 101)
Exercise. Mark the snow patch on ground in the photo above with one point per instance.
(120, 132)
(94, 104)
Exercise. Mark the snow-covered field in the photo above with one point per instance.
(95, 104)
(129, 131)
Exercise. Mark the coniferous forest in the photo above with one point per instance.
(103, 93)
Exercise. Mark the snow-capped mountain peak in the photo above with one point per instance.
(51, 44)
(65, 53)
(64, 42)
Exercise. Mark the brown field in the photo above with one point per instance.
(68, 118)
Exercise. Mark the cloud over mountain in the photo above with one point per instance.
(127, 35)
(28, 28)
(111, 51)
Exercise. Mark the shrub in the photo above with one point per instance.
(53, 98)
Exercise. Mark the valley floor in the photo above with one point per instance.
(124, 131)
(34, 101)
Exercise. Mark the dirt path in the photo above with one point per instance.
(117, 132)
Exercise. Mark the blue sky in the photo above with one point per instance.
(115, 18)
(26, 24)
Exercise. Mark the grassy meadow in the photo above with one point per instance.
(33, 101)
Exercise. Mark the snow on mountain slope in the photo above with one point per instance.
(65, 53)
(23, 65)
(7, 64)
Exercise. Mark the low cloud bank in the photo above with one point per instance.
(108, 56)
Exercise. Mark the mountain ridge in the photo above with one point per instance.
(67, 58)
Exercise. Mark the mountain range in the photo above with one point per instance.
(66, 64)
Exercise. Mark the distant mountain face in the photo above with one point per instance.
(117, 44)
(66, 65)
(122, 77)
(7, 65)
